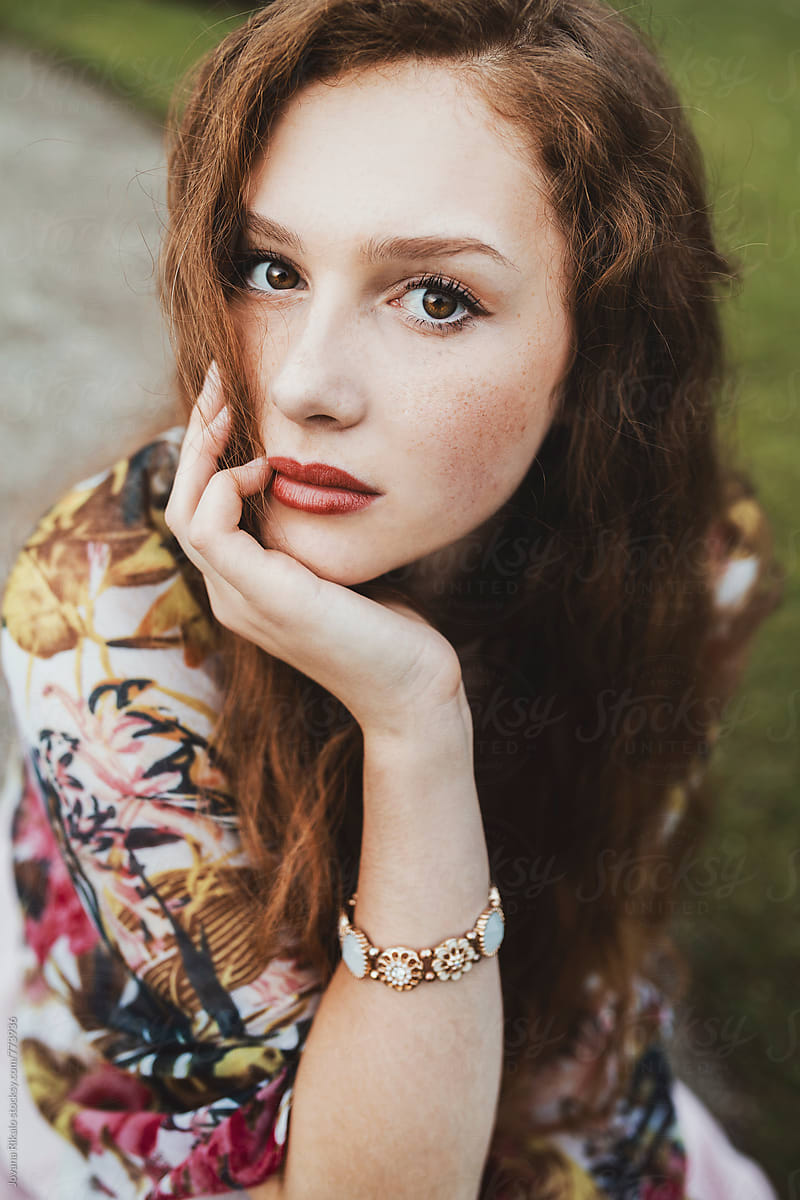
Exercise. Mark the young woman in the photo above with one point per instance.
(436, 600)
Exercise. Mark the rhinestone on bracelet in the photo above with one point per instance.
(401, 968)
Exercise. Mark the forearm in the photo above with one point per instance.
(396, 1092)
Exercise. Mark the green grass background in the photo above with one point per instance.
(738, 69)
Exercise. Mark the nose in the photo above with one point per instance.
(320, 377)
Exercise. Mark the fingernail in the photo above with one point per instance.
(212, 375)
(221, 419)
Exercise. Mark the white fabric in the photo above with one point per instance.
(716, 1170)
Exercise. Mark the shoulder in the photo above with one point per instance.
(101, 563)
(101, 600)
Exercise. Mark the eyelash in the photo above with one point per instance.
(436, 283)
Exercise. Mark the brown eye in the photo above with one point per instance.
(441, 306)
(438, 301)
(272, 275)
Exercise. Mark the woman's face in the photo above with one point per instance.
(359, 363)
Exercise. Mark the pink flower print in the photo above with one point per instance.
(280, 983)
(125, 816)
(107, 1087)
(62, 916)
(664, 1189)
(112, 759)
(111, 765)
(242, 1148)
(62, 913)
(114, 1107)
(134, 1133)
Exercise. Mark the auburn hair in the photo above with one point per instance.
(586, 617)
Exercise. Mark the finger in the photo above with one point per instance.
(209, 400)
(197, 464)
(202, 445)
(230, 553)
(219, 509)
(272, 599)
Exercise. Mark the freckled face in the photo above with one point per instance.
(357, 369)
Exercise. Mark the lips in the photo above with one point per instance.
(320, 474)
(318, 488)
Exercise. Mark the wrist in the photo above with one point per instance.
(403, 967)
(406, 721)
(422, 733)
(423, 849)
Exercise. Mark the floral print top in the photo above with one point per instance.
(159, 1053)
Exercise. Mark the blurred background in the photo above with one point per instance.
(83, 92)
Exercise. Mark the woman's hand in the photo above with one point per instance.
(386, 664)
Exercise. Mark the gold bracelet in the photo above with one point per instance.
(402, 968)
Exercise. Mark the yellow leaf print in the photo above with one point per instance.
(177, 609)
(36, 619)
(148, 562)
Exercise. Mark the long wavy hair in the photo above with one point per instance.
(585, 617)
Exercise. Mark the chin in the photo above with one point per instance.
(339, 569)
(344, 577)
(333, 559)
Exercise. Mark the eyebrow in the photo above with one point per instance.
(378, 250)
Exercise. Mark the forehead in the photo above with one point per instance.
(405, 148)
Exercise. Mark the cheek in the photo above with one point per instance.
(248, 334)
(483, 442)
(251, 330)
(498, 419)
(257, 350)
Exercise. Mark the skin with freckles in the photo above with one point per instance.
(355, 363)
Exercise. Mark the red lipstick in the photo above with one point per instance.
(318, 487)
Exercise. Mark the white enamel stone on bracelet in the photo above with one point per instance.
(402, 968)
